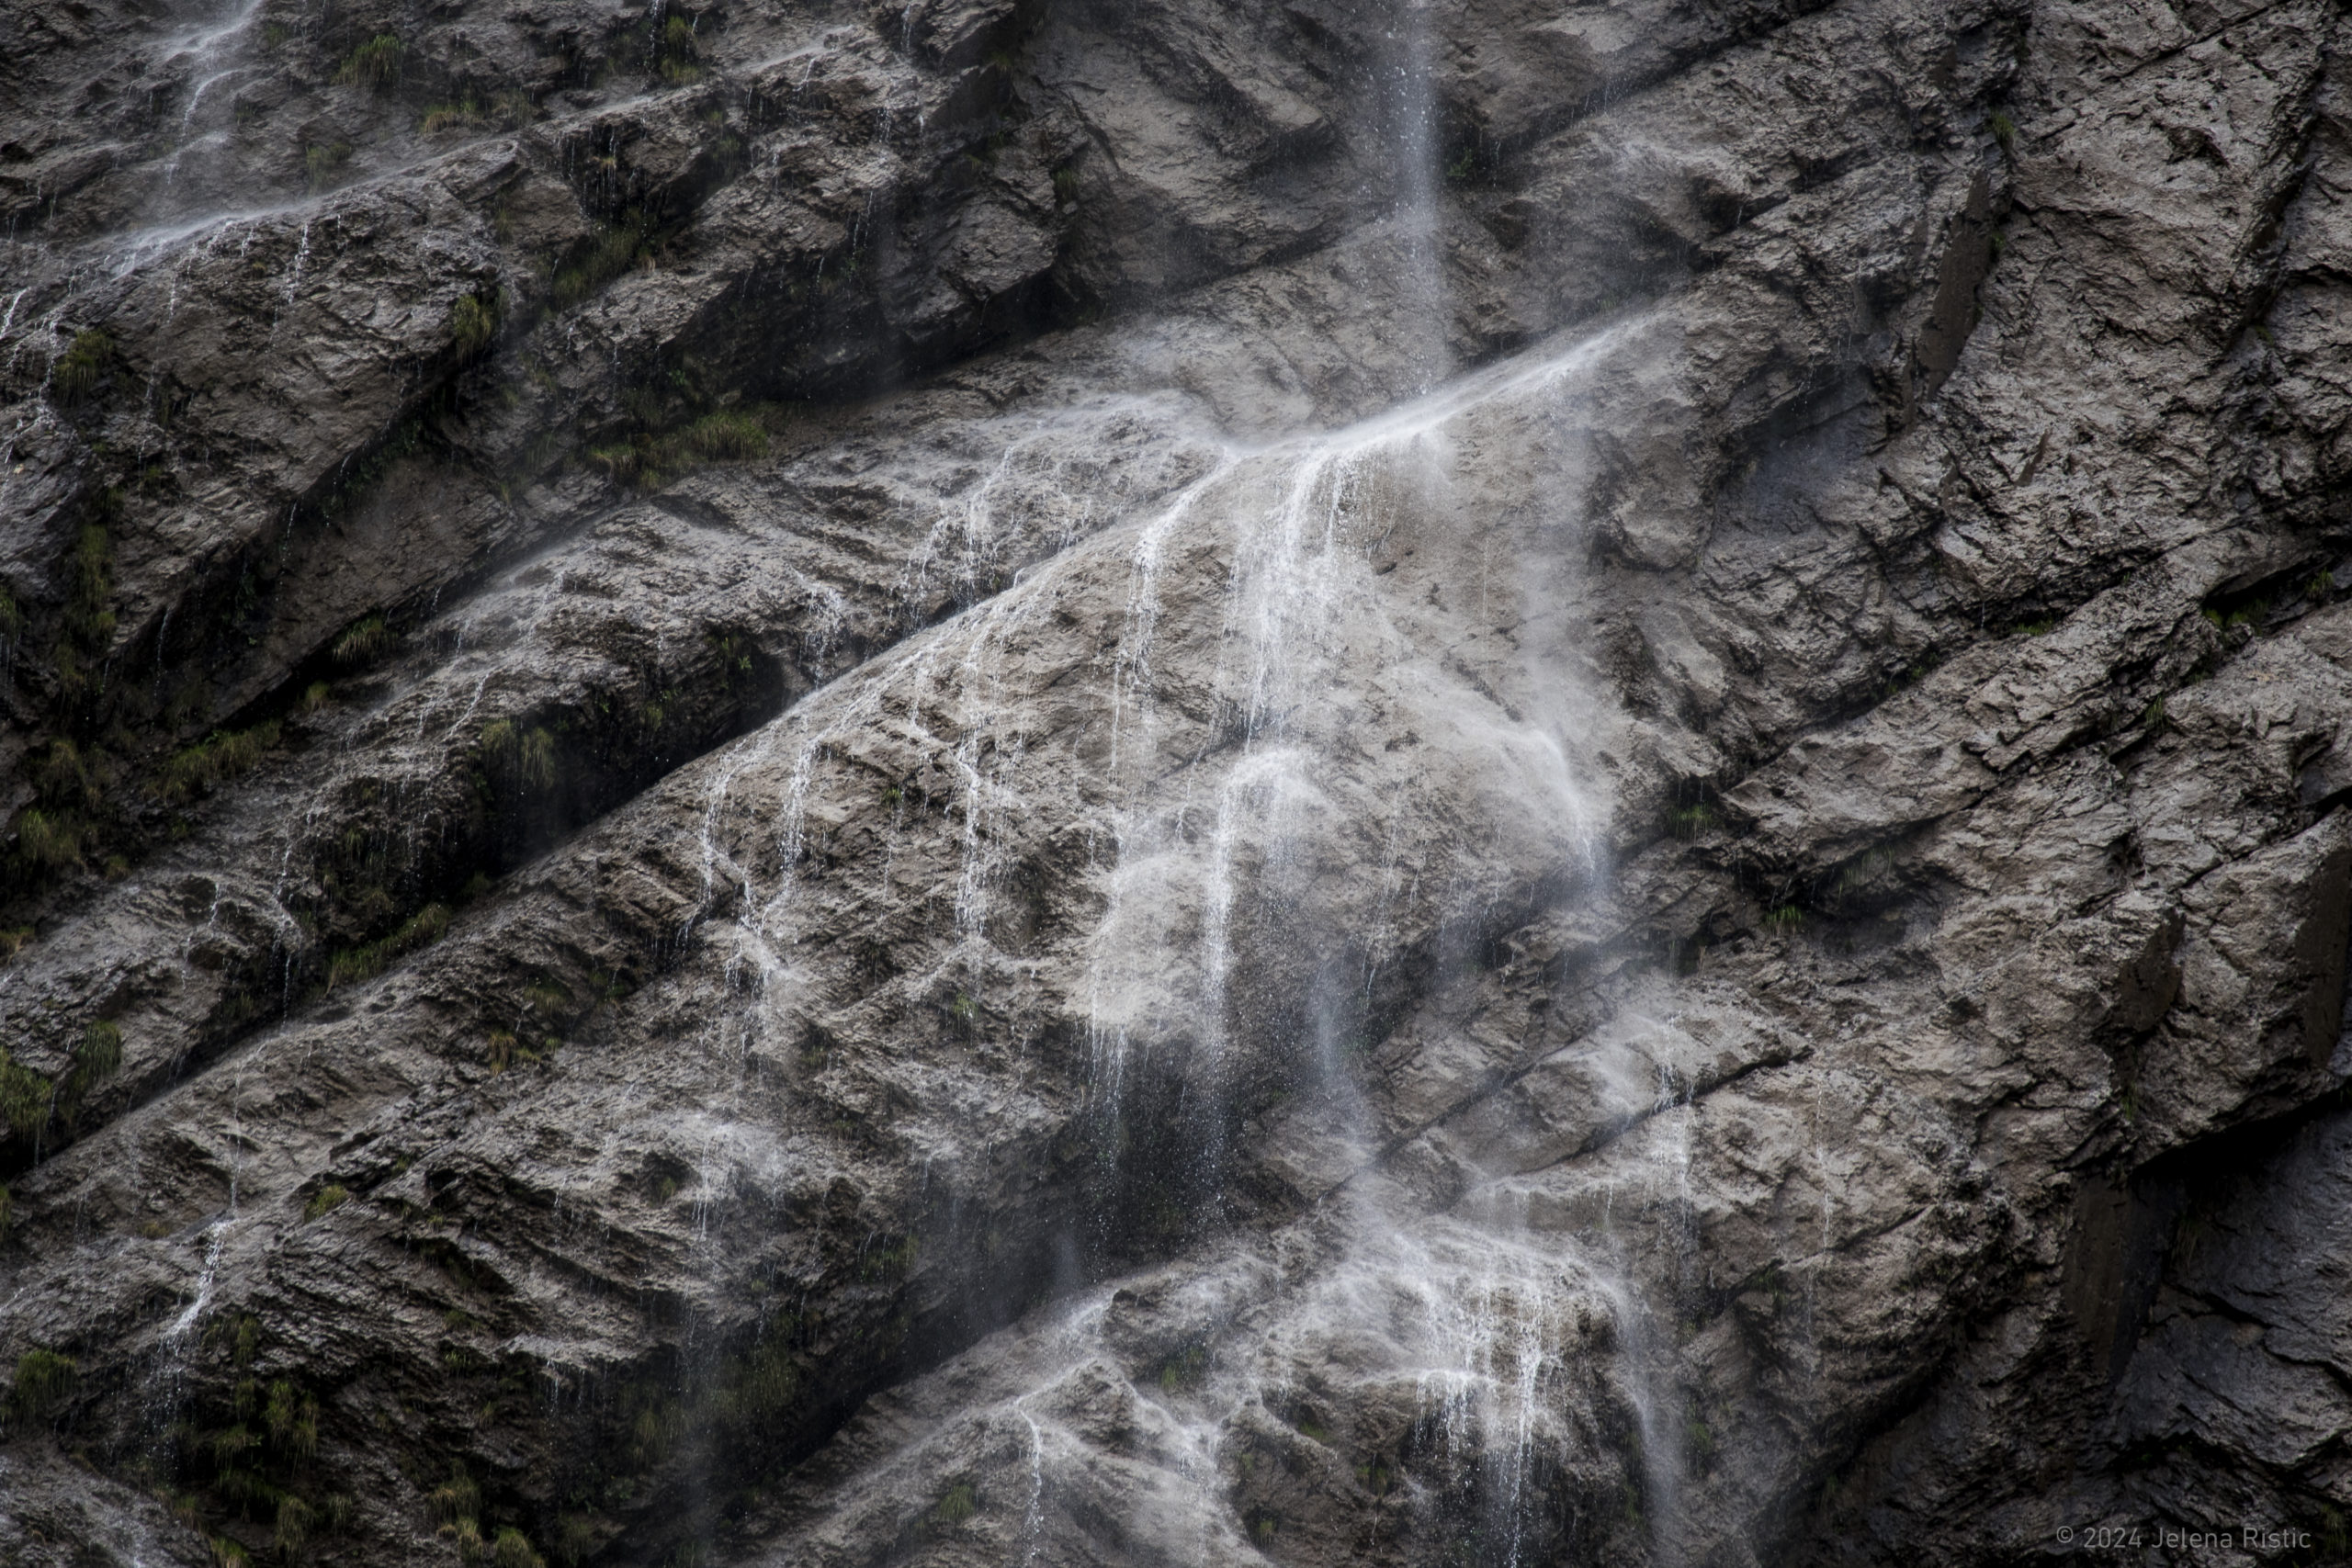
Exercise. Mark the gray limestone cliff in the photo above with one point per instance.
(1060, 782)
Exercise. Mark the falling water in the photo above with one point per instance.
(1492, 1329)
(167, 1377)
(1501, 1335)
(302, 260)
(1416, 137)
(1497, 1331)
(210, 55)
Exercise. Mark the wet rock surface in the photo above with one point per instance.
(1174, 783)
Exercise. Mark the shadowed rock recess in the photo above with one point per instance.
(1175, 783)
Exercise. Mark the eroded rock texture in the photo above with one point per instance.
(1182, 782)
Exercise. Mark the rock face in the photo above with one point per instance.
(1158, 784)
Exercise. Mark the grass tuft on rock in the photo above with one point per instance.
(366, 642)
(957, 1504)
(506, 1051)
(100, 1052)
(524, 757)
(44, 1381)
(652, 458)
(68, 777)
(49, 842)
(456, 1498)
(291, 1533)
(678, 56)
(469, 113)
(513, 1549)
(358, 965)
(96, 1058)
(614, 252)
(473, 321)
(92, 577)
(80, 369)
(322, 161)
(576, 1538)
(222, 756)
(1689, 822)
(375, 65)
(24, 1097)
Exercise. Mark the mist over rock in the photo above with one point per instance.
(1047, 783)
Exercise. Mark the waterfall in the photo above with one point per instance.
(1478, 1338)
(1479, 1332)
(1478, 1315)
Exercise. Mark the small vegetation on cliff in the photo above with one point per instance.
(2251, 614)
(955, 1505)
(756, 1388)
(68, 775)
(473, 321)
(520, 757)
(79, 369)
(352, 965)
(247, 1457)
(30, 1100)
(513, 1549)
(678, 56)
(91, 576)
(96, 1059)
(44, 1381)
(366, 640)
(575, 1538)
(652, 458)
(375, 65)
(1185, 1370)
(469, 113)
(505, 1050)
(49, 842)
(620, 247)
(322, 161)
(1689, 822)
(222, 756)
(100, 1052)
(24, 1097)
